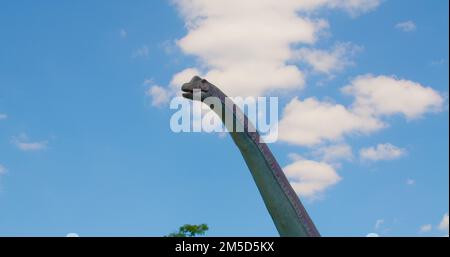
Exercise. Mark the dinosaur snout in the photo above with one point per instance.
(187, 87)
(196, 83)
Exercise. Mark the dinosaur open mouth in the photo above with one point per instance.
(189, 92)
(188, 95)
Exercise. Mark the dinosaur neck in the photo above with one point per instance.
(287, 212)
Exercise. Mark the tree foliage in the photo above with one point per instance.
(189, 230)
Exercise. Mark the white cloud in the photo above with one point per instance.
(383, 95)
(160, 95)
(311, 122)
(426, 228)
(237, 41)
(378, 224)
(444, 223)
(334, 153)
(3, 116)
(381, 152)
(142, 51)
(410, 182)
(23, 143)
(372, 235)
(406, 26)
(310, 178)
(328, 62)
(72, 235)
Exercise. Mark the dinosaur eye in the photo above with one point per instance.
(211, 106)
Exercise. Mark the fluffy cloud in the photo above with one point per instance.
(72, 235)
(444, 223)
(233, 43)
(328, 62)
(159, 95)
(372, 235)
(383, 95)
(381, 152)
(406, 26)
(311, 122)
(23, 143)
(310, 178)
(237, 41)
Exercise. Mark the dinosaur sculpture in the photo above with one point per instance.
(287, 212)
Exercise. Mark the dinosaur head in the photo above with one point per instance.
(197, 84)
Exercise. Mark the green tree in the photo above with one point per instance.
(190, 231)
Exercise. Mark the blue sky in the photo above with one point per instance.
(84, 147)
